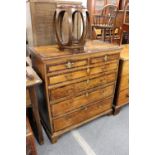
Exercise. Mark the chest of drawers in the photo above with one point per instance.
(122, 86)
(78, 87)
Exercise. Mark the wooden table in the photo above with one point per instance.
(32, 100)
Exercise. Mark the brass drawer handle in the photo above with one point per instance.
(99, 106)
(88, 81)
(105, 58)
(83, 108)
(87, 94)
(88, 70)
(69, 64)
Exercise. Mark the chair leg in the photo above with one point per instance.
(121, 37)
(102, 34)
(110, 36)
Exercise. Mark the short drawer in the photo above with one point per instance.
(75, 88)
(124, 82)
(104, 68)
(105, 58)
(81, 73)
(68, 64)
(84, 113)
(123, 97)
(82, 100)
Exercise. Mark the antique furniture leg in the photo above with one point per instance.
(54, 140)
(116, 111)
(35, 110)
(30, 143)
(104, 34)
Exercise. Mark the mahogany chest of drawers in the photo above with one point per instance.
(78, 87)
(122, 86)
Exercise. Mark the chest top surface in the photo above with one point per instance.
(93, 46)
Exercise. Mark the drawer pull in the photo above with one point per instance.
(105, 58)
(88, 81)
(127, 95)
(88, 70)
(87, 94)
(69, 64)
(83, 108)
(99, 106)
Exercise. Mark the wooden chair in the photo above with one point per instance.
(121, 24)
(105, 22)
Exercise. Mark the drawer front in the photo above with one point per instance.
(82, 100)
(123, 97)
(124, 82)
(125, 68)
(105, 58)
(67, 77)
(85, 112)
(68, 64)
(106, 67)
(75, 88)
(82, 73)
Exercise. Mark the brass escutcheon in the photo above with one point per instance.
(88, 81)
(87, 94)
(69, 64)
(105, 58)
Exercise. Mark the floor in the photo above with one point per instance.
(108, 135)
